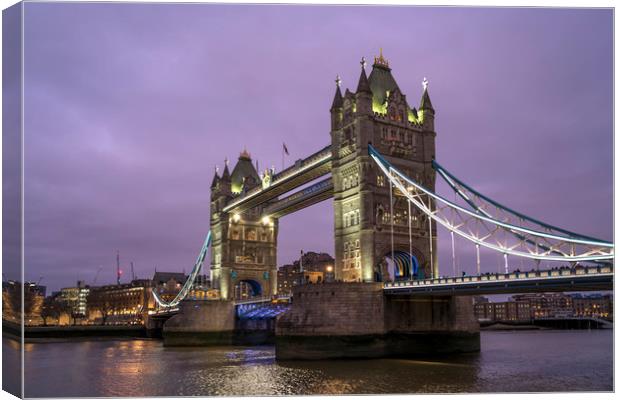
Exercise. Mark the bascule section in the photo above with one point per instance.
(374, 224)
(243, 255)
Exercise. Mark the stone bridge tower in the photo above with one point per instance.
(243, 246)
(378, 113)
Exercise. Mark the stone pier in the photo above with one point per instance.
(356, 320)
(214, 323)
(201, 323)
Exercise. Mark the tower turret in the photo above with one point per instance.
(336, 108)
(427, 112)
(225, 180)
(216, 179)
(363, 94)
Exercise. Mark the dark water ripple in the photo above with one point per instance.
(530, 361)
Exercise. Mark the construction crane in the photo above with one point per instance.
(97, 274)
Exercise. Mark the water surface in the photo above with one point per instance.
(524, 361)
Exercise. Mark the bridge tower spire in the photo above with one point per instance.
(427, 112)
(336, 108)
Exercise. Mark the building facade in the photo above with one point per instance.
(310, 268)
(378, 113)
(120, 304)
(527, 307)
(593, 305)
(75, 299)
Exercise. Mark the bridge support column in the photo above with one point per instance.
(356, 320)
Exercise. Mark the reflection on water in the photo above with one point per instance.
(508, 362)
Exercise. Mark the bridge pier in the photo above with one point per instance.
(215, 323)
(201, 323)
(357, 320)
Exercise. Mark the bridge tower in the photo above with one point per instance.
(244, 244)
(378, 113)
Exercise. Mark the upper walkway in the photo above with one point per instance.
(300, 173)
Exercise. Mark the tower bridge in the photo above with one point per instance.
(380, 172)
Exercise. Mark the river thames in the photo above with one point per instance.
(509, 361)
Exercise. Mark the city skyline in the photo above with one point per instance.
(125, 121)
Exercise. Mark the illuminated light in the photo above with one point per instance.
(410, 116)
(236, 217)
(330, 268)
(266, 220)
(378, 107)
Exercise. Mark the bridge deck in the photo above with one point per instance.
(586, 279)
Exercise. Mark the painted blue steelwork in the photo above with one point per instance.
(444, 173)
(190, 279)
(596, 250)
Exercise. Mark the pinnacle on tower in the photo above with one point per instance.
(337, 103)
(362, 85)
(425, 103)
(226, 173)
(245, 154)
(216, 178)
(381, 61)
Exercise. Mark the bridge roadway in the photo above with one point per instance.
(555, 280)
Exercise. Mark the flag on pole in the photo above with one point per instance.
(284, 148)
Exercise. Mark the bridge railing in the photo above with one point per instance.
(558, 272)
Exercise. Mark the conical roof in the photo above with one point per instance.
(216, 179)
(226, 173)
(381, 80)
(362, 84)
(425, 102)
(244, 173)
(337, 103)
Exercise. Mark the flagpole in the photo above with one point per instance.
(282, 169)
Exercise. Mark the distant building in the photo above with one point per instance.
(547, 305)
(168, 284)
(524, 307)
(288, 276)
(120, 304)
(75, 298)
(313, 268)
(593, 305)
(501, 311)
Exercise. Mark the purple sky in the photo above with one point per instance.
(130, 106)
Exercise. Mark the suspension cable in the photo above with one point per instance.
(392, 228)
(410, 246)
(190, 279)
